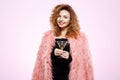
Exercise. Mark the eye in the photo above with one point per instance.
(65, 17)
(59, 15)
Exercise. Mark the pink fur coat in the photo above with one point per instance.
(80, 67)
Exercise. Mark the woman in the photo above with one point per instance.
(63, 53)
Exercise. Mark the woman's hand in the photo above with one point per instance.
(61, 53)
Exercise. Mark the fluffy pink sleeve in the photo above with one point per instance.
(88, 61)
(38, 69)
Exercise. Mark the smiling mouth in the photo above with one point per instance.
(61, 23)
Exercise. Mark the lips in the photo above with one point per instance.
(61, 23)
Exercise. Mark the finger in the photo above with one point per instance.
(57, 52)
(65, 55)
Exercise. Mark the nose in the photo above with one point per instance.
(61, 18)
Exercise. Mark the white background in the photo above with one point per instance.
(23, 22)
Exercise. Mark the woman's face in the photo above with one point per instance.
(63, 19)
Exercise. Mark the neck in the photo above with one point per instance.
(63, 32)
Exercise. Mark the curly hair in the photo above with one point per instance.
(74, 28)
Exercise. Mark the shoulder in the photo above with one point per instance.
(82, 36)
(48, 33)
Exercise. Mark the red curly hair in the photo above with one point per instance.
(74, 28)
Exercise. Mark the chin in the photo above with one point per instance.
(62, 26)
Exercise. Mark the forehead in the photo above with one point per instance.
(64, 12)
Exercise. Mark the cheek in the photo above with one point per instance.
(67, 21)
(57, 20)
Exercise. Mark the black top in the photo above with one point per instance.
(60, 66)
